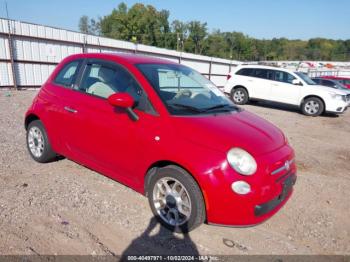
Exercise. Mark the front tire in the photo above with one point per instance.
(312, 106)
(38, 143)
(175, 199)
(239, 96)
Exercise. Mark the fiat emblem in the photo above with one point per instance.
(287, 165)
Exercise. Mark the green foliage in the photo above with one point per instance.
(87, 26)
(144, 24)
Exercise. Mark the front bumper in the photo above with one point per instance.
(336, 106)
(269, 206)
(268, 192)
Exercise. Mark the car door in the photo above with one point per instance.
(261, 83)
(57, 96)
(283, 90)
(99, 135)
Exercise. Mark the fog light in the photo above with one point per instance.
(240, 187)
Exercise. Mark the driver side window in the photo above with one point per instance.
(103, 80)
(284, 77)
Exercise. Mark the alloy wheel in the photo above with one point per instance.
(36, 141)
(312, 107)
(171, 201)
(238, 96)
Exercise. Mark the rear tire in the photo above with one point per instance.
(175, 199)
(239, 96)
(312, 106)
(38, 143)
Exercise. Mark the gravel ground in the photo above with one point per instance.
(64, 208)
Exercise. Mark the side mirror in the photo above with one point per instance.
(123, 100)
(126, 101)
(296, 82)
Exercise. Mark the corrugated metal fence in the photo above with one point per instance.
(29, 53)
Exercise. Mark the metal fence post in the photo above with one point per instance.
(10, 45)
(210, 65)
(84, 44)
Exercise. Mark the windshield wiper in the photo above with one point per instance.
(221, 106)
(192, 108)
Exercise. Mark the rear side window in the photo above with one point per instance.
(68, 74)
(261, 73)
(245, 72)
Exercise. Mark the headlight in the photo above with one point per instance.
(241, 161)
(338, 97)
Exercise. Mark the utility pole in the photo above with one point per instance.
(177, 41)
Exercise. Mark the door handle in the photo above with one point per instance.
(71, 110)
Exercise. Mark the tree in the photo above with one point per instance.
(146, 25)
(179, 36)
(197, 33)
(84, 24)
(215, 45)
(87, 26)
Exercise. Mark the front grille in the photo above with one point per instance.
(286, 166)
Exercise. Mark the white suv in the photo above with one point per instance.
(254, 82)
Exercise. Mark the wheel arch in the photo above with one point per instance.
(159, 164)
(240, 86)
(30, 118)
(309, 96)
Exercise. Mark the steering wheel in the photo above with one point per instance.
(181, 93)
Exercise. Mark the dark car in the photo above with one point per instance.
(341, 79)
(330, 83)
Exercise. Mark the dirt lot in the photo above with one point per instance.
(64, 208)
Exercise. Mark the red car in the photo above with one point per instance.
(343, 80)
(167, 132)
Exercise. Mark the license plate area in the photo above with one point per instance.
(287, 185)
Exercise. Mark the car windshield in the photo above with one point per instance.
(340, 86)
(305, 78)
(185, 91)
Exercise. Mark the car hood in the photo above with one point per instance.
(237, 129)
(329, 89)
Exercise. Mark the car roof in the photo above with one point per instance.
(127, 58)
(263, 67)
(325, 79)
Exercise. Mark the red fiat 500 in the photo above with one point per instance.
(166, 131)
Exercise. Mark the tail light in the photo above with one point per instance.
(228, 77)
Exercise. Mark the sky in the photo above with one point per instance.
(263, 19)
